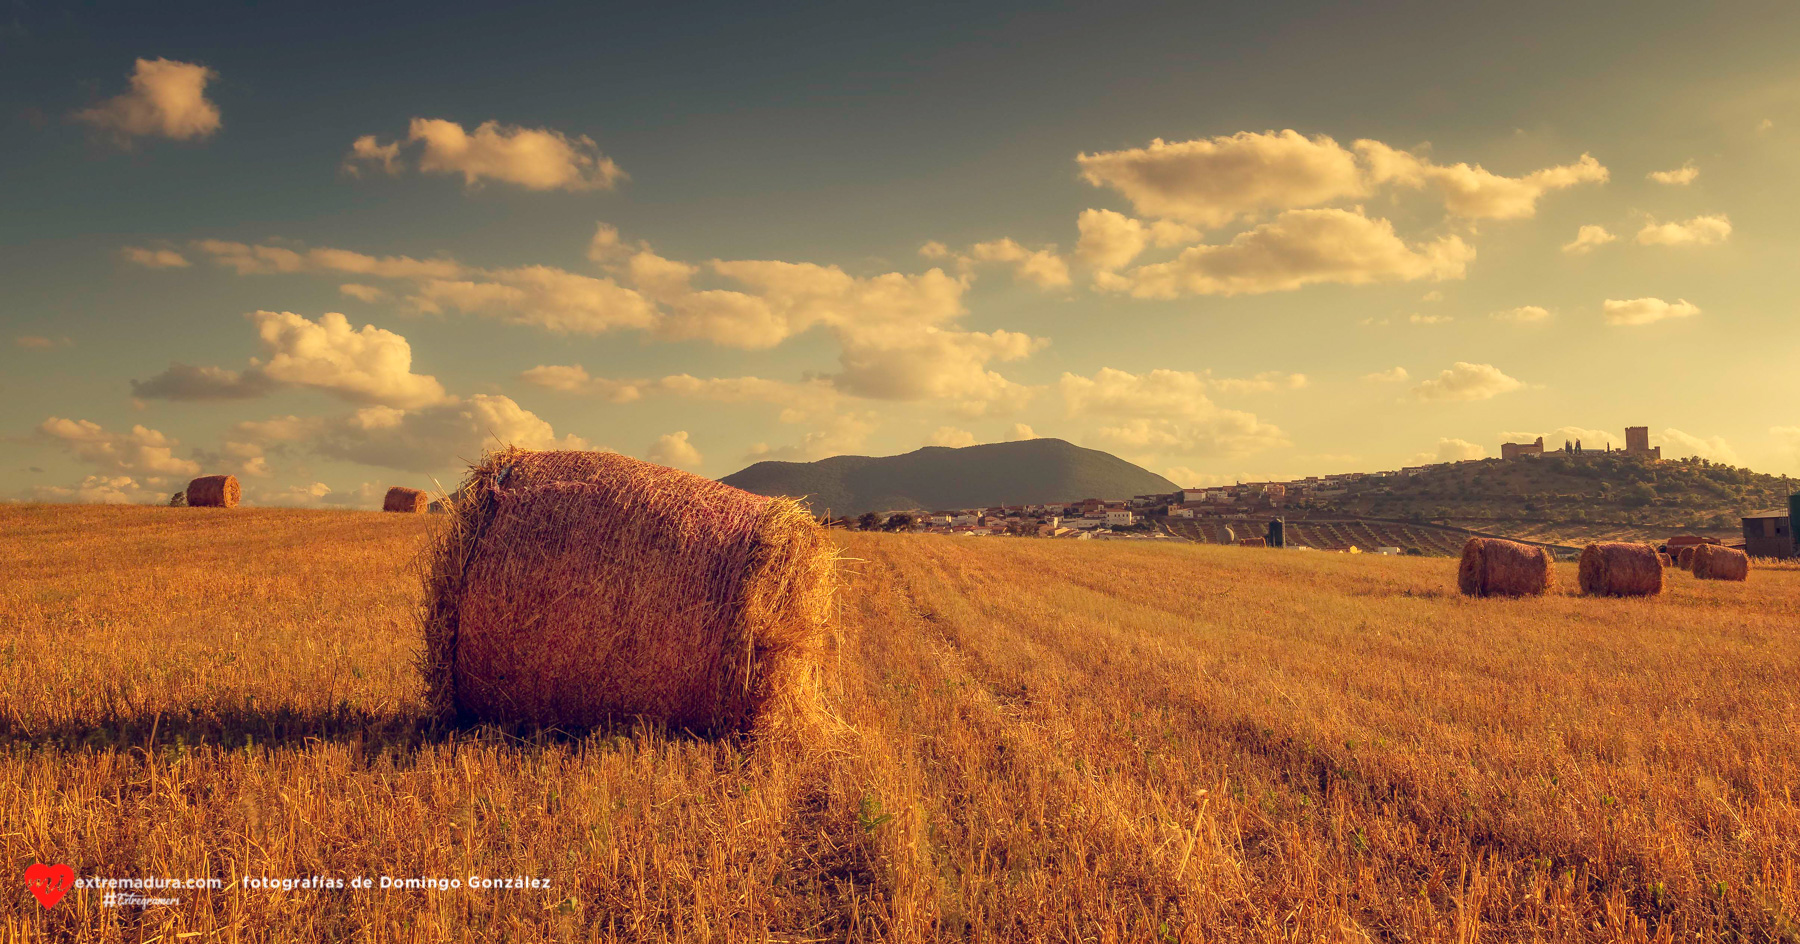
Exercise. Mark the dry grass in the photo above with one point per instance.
(1042, 741)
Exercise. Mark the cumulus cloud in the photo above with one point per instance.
(533, 158)
(1418, 319)
(186, 382)
(838, 435)
(432, 438)
(674, 450)
(1020, 432)
(139, 452)
(1587, 239)
(950, 437)
(1110, 239)
(1699, 231)
(1643, 311)
(1298, 248)
(166, 99)
(1523, 314)
(1040, 267)
(1466, 381)
(1391, 375)
(935, 364)
(155, 258)
(1679, 445)
(573, 378)
(1210, 182)
(1679, 177)
(102, 490)
(266, 260)
(1164, 411)
(363, 293)
(553, 299)
(1458, 450)
(1470, 190)
(370, 365)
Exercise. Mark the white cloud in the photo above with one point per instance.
(1466, 381)
(952, 437)
(102, 490)
(1391, 375)
(1418, 319)
(1699, 231)
(1642, 311)
(1210, 182)
(1679, 445)
(141, 451)
(265, 260)
(293, 496)
(1473, 192)
(1020, 432)
(674, 450)
(1679, 177)
(1260, 383)
(533, 158)
(1587, 239)
(1040, 267)
(575, 379)
(186, 382)
(555, 300)
(370, 365)
(1458, 450)
(363, 293)
(1164, 412)
(836, 436)
(935, 364)
(1298, 248)
(166, 99)
(1523, 314)
(432, 438)
(155, 258)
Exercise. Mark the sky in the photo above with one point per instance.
(335, 248)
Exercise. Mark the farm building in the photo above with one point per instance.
(1770, 534)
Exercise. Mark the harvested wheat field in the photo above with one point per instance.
(1035, 740)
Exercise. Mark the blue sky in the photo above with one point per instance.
(788, 166)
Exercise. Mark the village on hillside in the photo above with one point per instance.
(1305, 514)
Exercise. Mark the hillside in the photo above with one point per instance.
(1034, 470)
(1037, 741)
(1556, 498)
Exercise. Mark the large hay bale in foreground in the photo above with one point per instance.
(410, 501)
(213, 491)
(576, 588)
(1495, 567)
(1617, 569)
(1713, 562)
(1684, 556)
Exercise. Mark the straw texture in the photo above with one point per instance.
(580, 588)
(1495, 567)
(1615, 569)
(411, 501)
(213, 491)
(1684, 557)
(1712, 562)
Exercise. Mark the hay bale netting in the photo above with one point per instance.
(1615, 569)
(213, 491)
(578, 588)
(1713, 562)
(410, 501)
(1684, 556)
(1496, 567)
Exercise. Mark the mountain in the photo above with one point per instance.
(936, 477)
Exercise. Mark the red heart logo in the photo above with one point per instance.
(49, 882)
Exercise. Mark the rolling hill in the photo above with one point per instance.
(1033, 470)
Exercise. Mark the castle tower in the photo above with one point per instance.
(1637, 439)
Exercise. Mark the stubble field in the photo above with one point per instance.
(1035, 740)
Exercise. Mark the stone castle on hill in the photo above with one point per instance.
(1637, 443)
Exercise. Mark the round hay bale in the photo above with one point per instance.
(1712, 562)
(410, 501)
(213, 491)
(1663, 556)
(1684, 556)
(580, 588)
(1616, 569)
(1253, 542)
(1496, 567)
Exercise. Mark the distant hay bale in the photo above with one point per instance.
(1712, 562)
(1663, 556)
(410, 501)
(1496, 567)
(1684, 556)
(1616, 569)
(1253, 542)
(578, 588)
(436, 508)
(213, 491)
